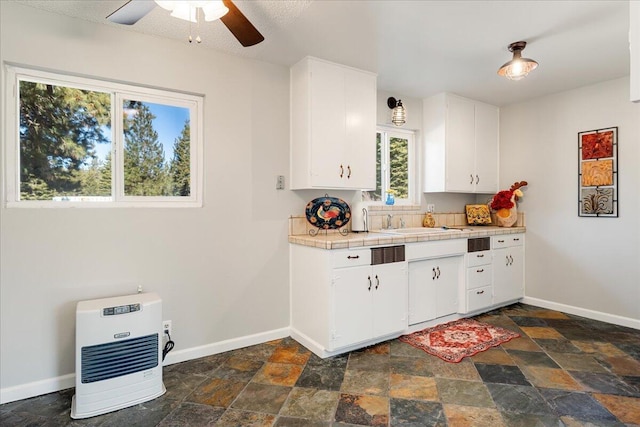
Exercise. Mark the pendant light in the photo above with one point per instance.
(399, 113)
(518, 67)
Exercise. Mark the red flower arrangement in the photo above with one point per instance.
(502, 200)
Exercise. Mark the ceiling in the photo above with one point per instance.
(418, 48)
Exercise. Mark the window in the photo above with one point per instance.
(75, 141)
(395, 153)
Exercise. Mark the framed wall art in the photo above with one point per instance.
(598, 173)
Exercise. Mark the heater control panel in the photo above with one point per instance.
(121, 309)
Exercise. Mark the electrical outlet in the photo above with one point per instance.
(166, 327)
(431, 208)
(280, 182)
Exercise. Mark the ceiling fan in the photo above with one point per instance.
(242, 29)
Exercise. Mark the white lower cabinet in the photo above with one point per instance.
(433, 288)
(339, 300)
(368, 302)
(508, 267)
(478, 290)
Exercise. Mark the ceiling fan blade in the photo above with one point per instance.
(240, 26)
(131, 12)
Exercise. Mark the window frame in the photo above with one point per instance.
(118, 92)
(387, 132)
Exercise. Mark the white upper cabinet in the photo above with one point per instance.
(634, 47)
(333, 126)
(461, 145)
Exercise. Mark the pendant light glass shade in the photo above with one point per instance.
(399, 113)
(519, 67)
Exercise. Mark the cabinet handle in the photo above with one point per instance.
(341, 171)
(510, 260)
(369, 278)
(507, 257)
(480, 256)
(480, 292)
(348, 171)
(471, 175)
(377, 281)
(500, 241)
(434, 273)
(477, 179)
(438, 270)
(480, 271)
(353, 257)
(515, 239)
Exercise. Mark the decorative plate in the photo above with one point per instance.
(328, 213)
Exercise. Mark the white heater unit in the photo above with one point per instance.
(118, 353)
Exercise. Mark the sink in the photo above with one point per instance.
(419, 230)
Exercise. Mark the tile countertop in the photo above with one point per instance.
(329, 240)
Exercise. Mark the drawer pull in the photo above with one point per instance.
(480, 271)
(500, 241)
(353, 257)
(480, 256)
(516, 239)
(480, 292)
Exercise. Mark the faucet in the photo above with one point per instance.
(389, 217)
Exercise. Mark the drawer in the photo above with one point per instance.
(351, 257)
(506, 240)
(478, 258)
(478, 299)
(478, 276)
(435, 249)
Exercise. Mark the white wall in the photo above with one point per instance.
(221, 270)
(591, 264)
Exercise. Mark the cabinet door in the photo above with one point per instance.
(460, 136)
(389, 298)
(508, 274)
(422, 300)
(327, 129)
(447, 285)
(352, 307)
(360, 128)
(486, 148)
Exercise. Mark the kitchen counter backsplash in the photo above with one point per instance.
(299, 228)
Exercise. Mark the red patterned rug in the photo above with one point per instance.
(456, 340)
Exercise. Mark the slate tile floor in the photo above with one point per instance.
(564, 370)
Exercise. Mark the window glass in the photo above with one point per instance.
(156, 149)
(65, 143)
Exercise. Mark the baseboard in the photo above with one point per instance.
(36, 388)
(222, 346)
(584, 312)
(50, 385)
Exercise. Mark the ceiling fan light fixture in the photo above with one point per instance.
(519, 67)
(214, 9)
(399, 113)
(188, 9)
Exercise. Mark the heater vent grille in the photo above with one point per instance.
(104, 361)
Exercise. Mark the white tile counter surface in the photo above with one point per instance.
(333, 240)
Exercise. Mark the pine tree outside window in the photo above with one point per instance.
(395, 154)
(81, 142)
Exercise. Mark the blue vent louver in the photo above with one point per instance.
(104, 361)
